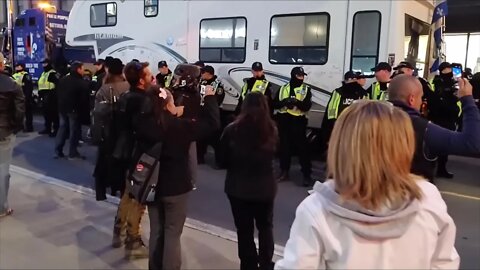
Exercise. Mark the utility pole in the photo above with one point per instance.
(9, 46)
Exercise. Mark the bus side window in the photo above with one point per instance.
(365, 40)
(32, 21)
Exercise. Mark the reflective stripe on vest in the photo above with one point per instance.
(300, 94)
(459, 103)
(332, 110)
(258, 86)
(168, 80)
(43, 83)
(377, 93)
(18, 77)
(94, 78)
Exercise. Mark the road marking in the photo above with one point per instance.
(460, 195)
(190, 223)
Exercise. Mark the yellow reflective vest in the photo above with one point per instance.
(43, 83)
(18, 77)
(377, 93)
(300, 94)
(258, 86)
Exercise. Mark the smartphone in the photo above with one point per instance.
(457, 70)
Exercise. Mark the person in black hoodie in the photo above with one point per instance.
(293, 102)
(351, 90)
(73, 103)
(99, 75)
(247, 151)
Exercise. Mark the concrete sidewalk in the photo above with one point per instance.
(56, 228)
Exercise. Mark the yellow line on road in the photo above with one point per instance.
(460, 195)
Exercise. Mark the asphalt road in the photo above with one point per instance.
(209, 204)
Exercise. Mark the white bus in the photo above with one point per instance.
(327, 38)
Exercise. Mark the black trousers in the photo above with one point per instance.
(50, 110)
(245, 215)
(443, 159)
(202, 146)
(167, 218)
(293, 139)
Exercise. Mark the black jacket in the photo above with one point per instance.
(249, 168)
(100, 74)
(12, 106)
(74, 96)
(176, 135)
(442, 103)
(220, 92)
(349, 92)
(190, 99)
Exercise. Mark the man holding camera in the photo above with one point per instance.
(443, 108)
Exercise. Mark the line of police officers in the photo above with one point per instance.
(440, 104)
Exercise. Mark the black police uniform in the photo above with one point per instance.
(444, 111)
(27, 87)
(214, 138)
(292, 125)
(50, 105)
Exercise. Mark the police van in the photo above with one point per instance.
(327, 38)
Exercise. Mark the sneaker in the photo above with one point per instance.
(76, 156)
(283, 177)
(59, 155)
(136, 250)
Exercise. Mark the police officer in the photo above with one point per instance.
(257, 83)
(165, 76)
(47, 93)
(97, 78)
(378, 90)
(351, 90)
(208, 78)
(24, 79)
(293, 101)
(443, 109)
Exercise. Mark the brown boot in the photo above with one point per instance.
(118, 238)
(136, 250)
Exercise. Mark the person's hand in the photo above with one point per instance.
(180, 110)
(465, 88)
(209, 91)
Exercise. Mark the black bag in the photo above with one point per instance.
(103, 119)
(143, 178)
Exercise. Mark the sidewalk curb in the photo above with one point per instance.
(190, 223)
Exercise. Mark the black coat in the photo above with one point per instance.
(74, 97)
(176, 135)
(249, 168)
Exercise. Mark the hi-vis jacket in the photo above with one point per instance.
(303, 96)
(378, 91)
(44, 83)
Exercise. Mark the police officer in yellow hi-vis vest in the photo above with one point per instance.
(24, 79)
(342, 97)
(47, 93)
(256, 83)
(292, 103)
(165, 76)
(378, 90)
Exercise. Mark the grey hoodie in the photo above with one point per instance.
(390, 222)
(12, 106)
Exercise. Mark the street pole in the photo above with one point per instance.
(10, 30)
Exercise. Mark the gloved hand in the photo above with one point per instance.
(291, 103)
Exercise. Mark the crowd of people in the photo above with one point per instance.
(381, 157)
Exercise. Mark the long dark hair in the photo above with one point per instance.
(254, 125)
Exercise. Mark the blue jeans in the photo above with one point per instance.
(6, 149)
(69, 128)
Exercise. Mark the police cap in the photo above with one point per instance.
(162, 64)
(257, 66)
(404, 64)
(382, 66)
(298, 71)
(208, 69)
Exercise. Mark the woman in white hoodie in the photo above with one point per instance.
(373, 214)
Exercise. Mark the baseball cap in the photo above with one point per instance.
(444, 65)
(162, 64)
(208, 69)
(353, 75)
(257, 66)
(382, 66)
(298, 71)
(404, 64)
(99, 62)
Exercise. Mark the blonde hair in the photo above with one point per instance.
(370, 155)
